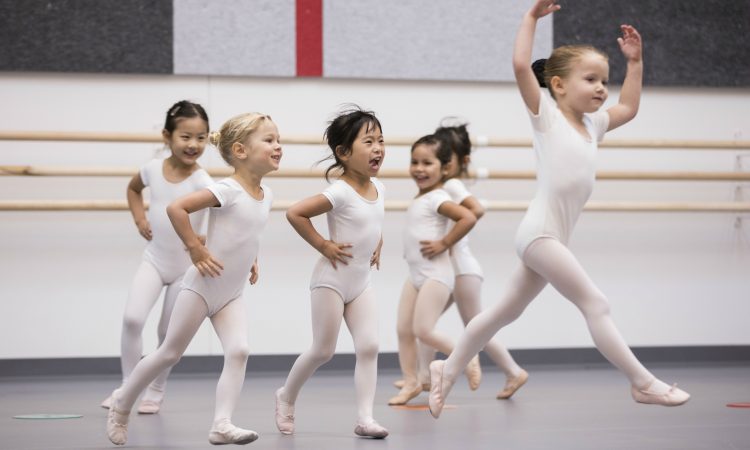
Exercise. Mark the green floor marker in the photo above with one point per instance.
(48, 416)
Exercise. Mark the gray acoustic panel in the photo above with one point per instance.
(133, 36)
(424, 39)
(686, 43)
(234, 37)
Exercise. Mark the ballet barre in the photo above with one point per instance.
(479, 141)
(61, 171)
(396, 205)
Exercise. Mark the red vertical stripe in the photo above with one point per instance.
(309, 38)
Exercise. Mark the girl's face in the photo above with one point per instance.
(367, 152)
(425, 168)
(188, 140)
(263, 148)
(585, 88)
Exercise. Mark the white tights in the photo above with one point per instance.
(144, 292)
(467, 295)
(418, 312)
(360, 314)
(548, 261)
(189, 312)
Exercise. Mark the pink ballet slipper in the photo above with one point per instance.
(371, 429)
(473, 373)
(284, 414)
(673, 397)
(117, 423)
(512, 385)
(226, 433)
(149, 407)
(437, 393)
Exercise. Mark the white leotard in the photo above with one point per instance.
(464, 262)
(356, 221)
(234, 230)
(425, 223)
(565, 173)
(165, 251)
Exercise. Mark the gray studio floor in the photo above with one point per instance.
(559, 408)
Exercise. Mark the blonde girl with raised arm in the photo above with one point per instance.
(567, 128)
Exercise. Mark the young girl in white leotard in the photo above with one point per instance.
(566, 131)
(467, 290)
(340, 284)
(221, 268)
(165, 258)
(427, 290)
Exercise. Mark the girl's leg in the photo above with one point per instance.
(189, 312)
(425, 355)
(523, 286)
(407, 345)
(430, 305)
(152, 398)
(552, 260)
(361, 318)
(230, 324)
(467, 293)
(144, 292)
(327, 310)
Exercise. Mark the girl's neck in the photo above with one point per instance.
(250, 181)
(573, 116)
(176, 171)
(430, 189)
(359, 182)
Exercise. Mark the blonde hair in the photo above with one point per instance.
(560, 62)
(236, 129)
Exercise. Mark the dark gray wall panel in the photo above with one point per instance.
(133, 36)
(686, 43)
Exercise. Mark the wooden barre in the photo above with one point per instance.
(479, 141)
(52, 171)
(281, 205)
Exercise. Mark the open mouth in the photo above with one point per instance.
(375, 163)
(276, 158)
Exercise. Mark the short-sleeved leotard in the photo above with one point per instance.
(356, 221)
(464, 262)
(234, 230)
(425, 223)
(165, 251)
(565, 173)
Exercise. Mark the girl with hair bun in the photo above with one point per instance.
(567, 128)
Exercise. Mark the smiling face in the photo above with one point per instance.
(584, 89)
(425, 168)
(263, 148)
(188, 140)
(367, 153)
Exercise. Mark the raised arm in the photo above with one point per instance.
(299, 216)
(137, 209)
(178, 212)
(630, 95)
(527, 83)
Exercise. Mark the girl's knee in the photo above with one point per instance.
(170, 356)
(597, 305)
(132, 324)
(322, 355)
(238, 353)
(367, 349)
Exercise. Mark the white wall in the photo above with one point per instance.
(672, 279)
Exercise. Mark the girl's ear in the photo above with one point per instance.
(239, 151)
(467, 161)
(556, 83)
(342, 153)
(166, 136)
